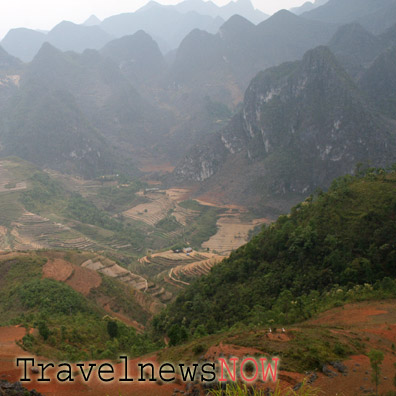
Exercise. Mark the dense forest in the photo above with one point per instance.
(335, 245)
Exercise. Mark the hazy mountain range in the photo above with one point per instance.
(167, 24)
(209, 107)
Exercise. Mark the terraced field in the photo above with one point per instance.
(233, 232)
(182, 273)
(180, 267)
(113, 270)
(137, 282)
(32, 232)
(161, 203)
(125, 219)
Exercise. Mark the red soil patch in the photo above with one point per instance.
(351, 314)
(359, 375)
(281, 337)
(59, 270)
(385, 332)
(227, 350)
(9, 351)
(82, 280)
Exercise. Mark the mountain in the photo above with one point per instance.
(74, 112)
(7, 61)
(10, 69)
(68, 36)
(23, 43)
(93, 20)
(243, 8)
(331, 244)
(355, 48)
(159, 21)
(389, 37)
(376, 16)
(380, 20)
(379, 83)
(211, 72)
(43, 124)
(302, 124)
(222, 65)
(308, 6)
(139, 58)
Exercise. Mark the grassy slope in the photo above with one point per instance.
(77, 324)
(338, 239)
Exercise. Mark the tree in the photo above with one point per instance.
(394, 378)
(112, 328)
(174, 335)
(43, 330)
(376, 359)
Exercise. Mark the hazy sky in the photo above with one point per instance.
(45, 14)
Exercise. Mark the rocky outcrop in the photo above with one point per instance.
(302, 125)
(8, 389)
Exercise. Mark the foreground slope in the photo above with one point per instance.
(337, 239)
(69, 305)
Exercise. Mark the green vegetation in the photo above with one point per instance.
(70, 326)
(44, 194)
(243, 390)
(119, 197)
(333, 248)
(168, 224)
(84, 211)
(50, 297)
(376, 359)
(204, 226)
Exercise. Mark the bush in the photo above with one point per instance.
(199, 349)
(112, 329)
(43, 330)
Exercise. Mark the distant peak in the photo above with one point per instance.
(47, 50)
(236, 25)
(237, 21)
(141, 34)
(63, 24)
(283, 14)
(93, 20)
(149, 5)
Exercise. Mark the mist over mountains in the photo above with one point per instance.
(168, 25)
(222, 107)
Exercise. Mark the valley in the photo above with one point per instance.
(122, 228)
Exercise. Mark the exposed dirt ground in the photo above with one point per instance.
(80, 279)
(373, 322)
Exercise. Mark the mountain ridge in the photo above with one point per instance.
(293, 135)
